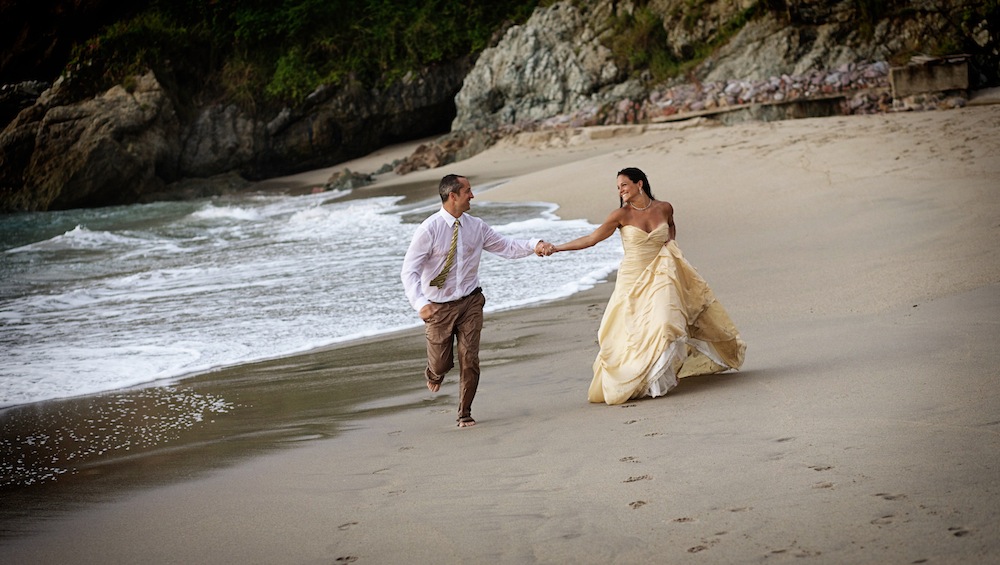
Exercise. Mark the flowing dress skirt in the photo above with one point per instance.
(662, 323)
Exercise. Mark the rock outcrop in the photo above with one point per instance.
(339, 124)
(553, 69)
(827, 35)
(107, 150)
(128, 145)
(553, 64)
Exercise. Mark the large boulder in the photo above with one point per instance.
(109, 149)
(553, 64)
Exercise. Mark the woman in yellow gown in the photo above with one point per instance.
(662, 321)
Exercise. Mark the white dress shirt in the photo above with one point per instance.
(429, 249)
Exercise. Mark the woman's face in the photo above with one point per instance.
(628, 189)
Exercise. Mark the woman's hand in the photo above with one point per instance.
(544, 249)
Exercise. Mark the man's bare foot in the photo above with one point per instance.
(466, 422)
(433, 387)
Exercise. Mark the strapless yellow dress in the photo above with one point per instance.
(662, 323)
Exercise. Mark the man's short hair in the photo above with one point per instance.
(449, 184)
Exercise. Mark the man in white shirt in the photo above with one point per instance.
(441, 279)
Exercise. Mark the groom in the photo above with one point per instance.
(441, 279)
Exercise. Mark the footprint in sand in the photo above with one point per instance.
(639, 478)
(798, 552)
(823, 485)
(683, 520)
(347, 559)
(637, 504)
(820, 467)
(630, 422)
(706, 543)
(629, 459)
(654, 434)
(958, 531)
(886, 496)
(884, 520)
(346, 526)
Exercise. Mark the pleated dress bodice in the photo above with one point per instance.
(640, 247)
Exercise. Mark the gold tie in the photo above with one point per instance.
(438, 281)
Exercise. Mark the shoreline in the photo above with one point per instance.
(330, 405)
(857, 257)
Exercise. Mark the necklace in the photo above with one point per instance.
(643, 208)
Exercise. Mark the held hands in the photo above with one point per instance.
(544, 249)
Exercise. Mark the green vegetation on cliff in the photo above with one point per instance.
(271, 53)
(641, 43)
(262, 52)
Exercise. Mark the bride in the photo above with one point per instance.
(662, 321)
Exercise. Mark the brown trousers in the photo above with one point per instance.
(462, 321)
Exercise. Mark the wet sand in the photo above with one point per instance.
(857, 256)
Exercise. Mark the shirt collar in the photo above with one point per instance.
(448, 217)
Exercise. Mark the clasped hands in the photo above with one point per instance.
(544, 249)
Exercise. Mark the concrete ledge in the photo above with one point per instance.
(924, 75)
(815, 107)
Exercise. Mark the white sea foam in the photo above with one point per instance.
(77, 238)
(226, 212)
(161, 292)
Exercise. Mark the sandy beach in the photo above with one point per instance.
(857, 255)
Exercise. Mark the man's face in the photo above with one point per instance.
(463, 199)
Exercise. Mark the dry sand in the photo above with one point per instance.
(857, 255)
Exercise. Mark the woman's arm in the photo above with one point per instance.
(602, 232)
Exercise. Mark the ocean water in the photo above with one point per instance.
(98, 300)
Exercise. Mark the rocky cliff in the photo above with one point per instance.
(568, 65)
(130, 145)
(555, 68)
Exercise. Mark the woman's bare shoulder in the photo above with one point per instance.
(617, 215)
